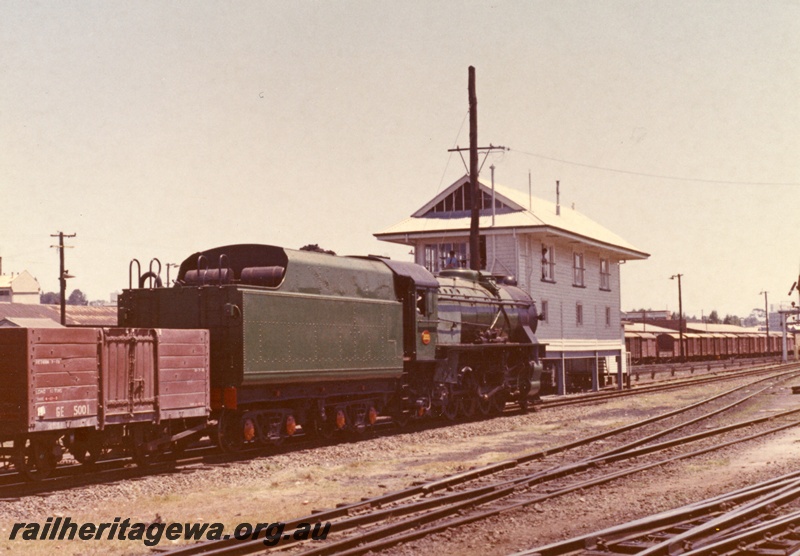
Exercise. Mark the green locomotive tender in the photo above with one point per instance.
(328, 343)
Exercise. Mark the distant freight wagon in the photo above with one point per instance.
(664, 347)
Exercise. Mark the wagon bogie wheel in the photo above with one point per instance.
(35, 458)
(85, 447)
(140, 438)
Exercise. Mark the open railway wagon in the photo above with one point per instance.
(90, 390)
(318, 343)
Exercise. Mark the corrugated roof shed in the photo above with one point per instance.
(719, 328)
(77, 315)
(18, 322)
(641, 327)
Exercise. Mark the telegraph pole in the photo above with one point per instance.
(474, 227)
(680, 312)
(63, 274)
(766, 314)
(474, 170)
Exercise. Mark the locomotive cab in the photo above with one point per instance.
(417, 290)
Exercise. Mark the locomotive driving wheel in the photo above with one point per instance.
(486, 403)
(468, 400)
(498, 402)
(524, 387)
(36, 458)
(468, 405)
(451, 406)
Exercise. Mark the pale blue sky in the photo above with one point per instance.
(156, 129)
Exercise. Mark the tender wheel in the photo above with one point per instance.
(323, 428)
(402, 418)
(270, 429)
(399, 411)
(230, 435)
(36, 458)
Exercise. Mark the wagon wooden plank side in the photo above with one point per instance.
(183, 373)
(50, 379)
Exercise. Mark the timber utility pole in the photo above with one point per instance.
(475, 262)
(474, 226)
(63, 274)
(680, 314)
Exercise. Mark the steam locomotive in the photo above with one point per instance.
(255, 342)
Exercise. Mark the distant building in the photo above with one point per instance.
(643, 316)
(567, 262)
(19, 288)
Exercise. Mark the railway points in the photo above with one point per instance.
(490, 491)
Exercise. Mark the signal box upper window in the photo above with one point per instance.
(548, 263)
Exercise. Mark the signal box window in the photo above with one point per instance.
(578, 270)
(548, 263)
(579, 314)
(438, 255)
(605, 275)
(545, 312)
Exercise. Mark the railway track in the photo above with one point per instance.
(13, 486)
(426, 508)
(762, 519)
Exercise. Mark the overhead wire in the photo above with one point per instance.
(444, 173)
(648, 175)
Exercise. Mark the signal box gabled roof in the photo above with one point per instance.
(513, 210)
